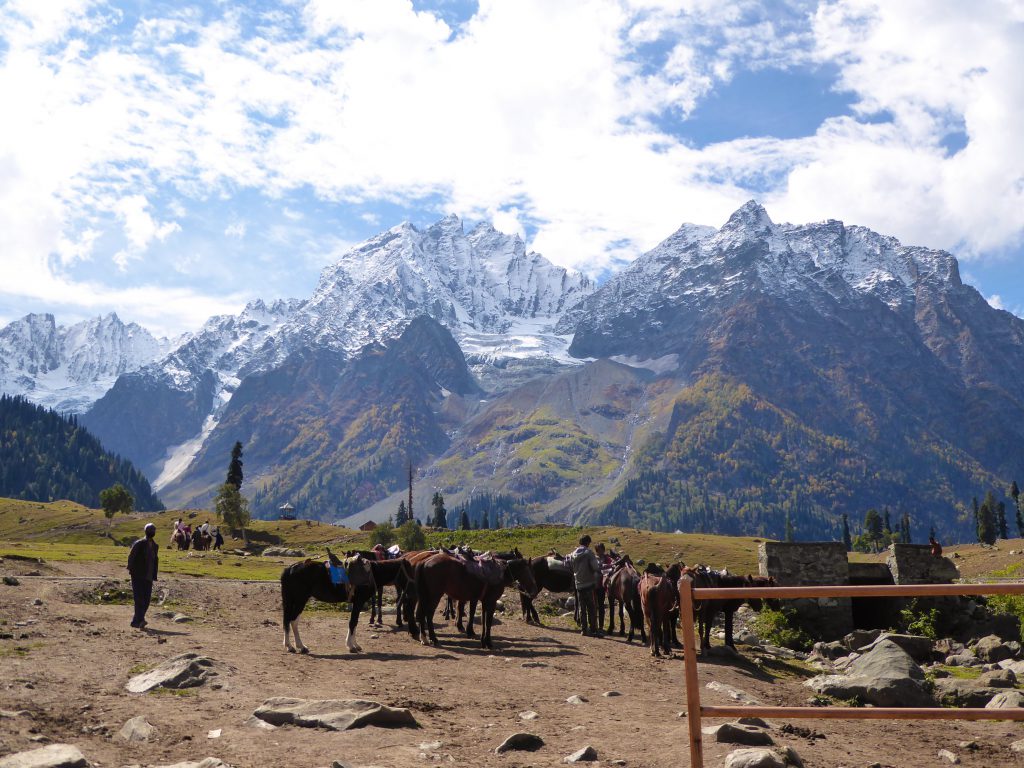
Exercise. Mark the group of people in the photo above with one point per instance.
(202, 538)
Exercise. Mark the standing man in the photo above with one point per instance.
(587, 573)
(142, 565)
(606, 562)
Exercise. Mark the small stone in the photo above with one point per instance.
(586, 755)
(430, 746)
(137, 729)
(948, 756)
(180, 618)
(756, 721)
(214, 734)
(10, 581)
(576, 699)
(37, 601)
(1018, 746)
(733, 733)
(1006, 700)
(520, 742)
(341, 764)
(260, 725)
(970, 746)
(528, 715)
(610, 694)
(533, 664)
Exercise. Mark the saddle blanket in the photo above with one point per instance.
(339, 574)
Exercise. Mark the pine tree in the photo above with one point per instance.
(873, 527)
(789, 527)
(987, 527)
(440, 516)
(464, 523)
(847, 541)
(905, 528)
(1018, 514)
(485, 521)
(887, 524)
(974, 504)
(235, 467)
(233, 508)
(402, 516)
(1004, 532)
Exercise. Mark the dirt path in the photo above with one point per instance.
(69, 666)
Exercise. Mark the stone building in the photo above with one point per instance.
(820, 563)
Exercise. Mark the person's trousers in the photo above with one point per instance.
(142, 592)
(588, 611)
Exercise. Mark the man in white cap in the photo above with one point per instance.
(142, 565)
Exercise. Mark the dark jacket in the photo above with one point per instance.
(140, 566)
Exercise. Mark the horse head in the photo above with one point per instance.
(521, 571)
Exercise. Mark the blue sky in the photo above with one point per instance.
(172, 160)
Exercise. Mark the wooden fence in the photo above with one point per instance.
(695, 712)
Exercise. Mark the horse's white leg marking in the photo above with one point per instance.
(298, 640)
(287, 641)
(353, 646)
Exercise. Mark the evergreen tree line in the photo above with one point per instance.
(45, 456)
(990, 517)
(487, 511)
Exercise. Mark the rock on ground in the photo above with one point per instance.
(735, 694)
(992, 649)
(520, 742)
(283, 552)
(185, 671)
(1006, 700)
(576, 699)
(206, 762)
(137, 729)
(918, 647)
(884, 676)
(333, 714)
(586, 755)
(51, 756)
(949, 757)
(735, 733)
(763, 758)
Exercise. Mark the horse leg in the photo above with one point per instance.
(350, 639)
(486, 619)
(523, 608)
(728, 629)
(652, 619)
(472, 613)
(622, 622)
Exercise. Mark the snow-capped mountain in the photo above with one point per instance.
(822, 264)
(495, 298)
(498, 301)
(69, 368)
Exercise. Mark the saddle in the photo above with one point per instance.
(486, 568)
(554, 564)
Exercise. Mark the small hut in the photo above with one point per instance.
(286, 512)
(369, 525)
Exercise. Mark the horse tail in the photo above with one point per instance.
(284, 597)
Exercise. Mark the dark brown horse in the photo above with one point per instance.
(658, 598)
(706, 611)
(312, 578)
(442, 574)
(623, 588)
(545, 577)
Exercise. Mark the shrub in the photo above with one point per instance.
(410, 536)
(383, 534)
(779, 627)
(915, 619)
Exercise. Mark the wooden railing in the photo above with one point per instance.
(695, 712)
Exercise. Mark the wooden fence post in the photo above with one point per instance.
(693, 713)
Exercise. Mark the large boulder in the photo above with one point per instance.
(992, 649)
(957, 692)
(185, 671)
(520, 742)
(333, 714)
(50, 756)
(1006, 700)
(918, 647)
(885, 676)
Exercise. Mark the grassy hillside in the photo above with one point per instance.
(67, 531)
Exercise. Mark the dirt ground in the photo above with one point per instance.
(66, 662)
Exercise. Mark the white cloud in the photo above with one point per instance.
(542, 105)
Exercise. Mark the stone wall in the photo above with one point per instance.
(803, 564)
(914, 564)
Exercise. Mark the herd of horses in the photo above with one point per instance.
(422, 579)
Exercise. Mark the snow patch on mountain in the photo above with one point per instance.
(69, 368)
